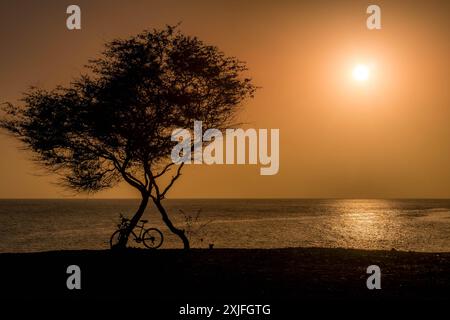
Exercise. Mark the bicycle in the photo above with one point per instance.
(152, 238)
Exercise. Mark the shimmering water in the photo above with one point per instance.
(418, 225)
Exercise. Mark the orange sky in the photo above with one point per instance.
(388, 137)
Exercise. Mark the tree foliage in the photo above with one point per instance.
(114, 122)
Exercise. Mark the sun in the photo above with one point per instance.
(361, 72)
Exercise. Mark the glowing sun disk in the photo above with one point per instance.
(361, 72)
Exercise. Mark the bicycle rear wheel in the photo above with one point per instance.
(152, 238)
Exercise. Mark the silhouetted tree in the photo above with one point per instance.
(115, 122)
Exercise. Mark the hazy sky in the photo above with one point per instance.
(386, 137)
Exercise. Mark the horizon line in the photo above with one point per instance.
(241, 198)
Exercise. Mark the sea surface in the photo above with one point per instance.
(417, 225)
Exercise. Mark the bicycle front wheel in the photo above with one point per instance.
(115, 238)
(153, 238)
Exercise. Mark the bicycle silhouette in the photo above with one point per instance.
(152, 238)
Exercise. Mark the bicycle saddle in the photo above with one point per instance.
(144, 221)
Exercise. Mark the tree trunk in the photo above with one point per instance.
(133, 222)
(179, 232)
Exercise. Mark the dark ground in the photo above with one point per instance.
(291, 276)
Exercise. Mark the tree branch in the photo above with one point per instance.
(174, 178)
(167, 167)
(128, 177)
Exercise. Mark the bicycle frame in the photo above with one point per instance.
(152, 238)
(141, 231)
(136, 237)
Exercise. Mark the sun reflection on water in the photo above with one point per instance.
(362, 227)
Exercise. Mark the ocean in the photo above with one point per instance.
(416, 225)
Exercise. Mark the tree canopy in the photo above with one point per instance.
(115, 122)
